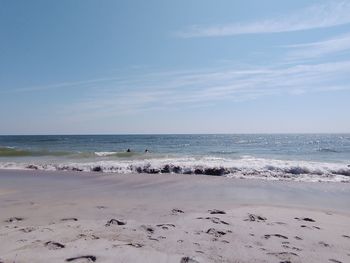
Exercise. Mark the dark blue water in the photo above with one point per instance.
(255, 151)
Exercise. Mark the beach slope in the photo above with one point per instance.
(93, 217)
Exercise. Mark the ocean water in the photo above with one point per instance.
(300, 157)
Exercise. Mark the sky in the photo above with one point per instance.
(185, 66)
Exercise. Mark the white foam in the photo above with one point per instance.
(246, 167)
(103, 154)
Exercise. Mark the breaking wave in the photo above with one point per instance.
(245, 167)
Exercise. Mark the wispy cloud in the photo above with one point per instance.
(319, 49)
(183, 90)
(330, 14)
(73, 84)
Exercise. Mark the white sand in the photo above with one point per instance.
(54, 216)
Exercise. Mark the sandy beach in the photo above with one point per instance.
(175, 131)
(93, 217)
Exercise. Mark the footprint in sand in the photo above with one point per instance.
(216, 212)
(14, 219)
(165, 226)
(148, 229)
(257, 218)
(137, 245)
(82, 259)
(27, 229)
(69, 219)
(188, 260)
(304, 226)
(307, 219)
(216, 233)
(176, 211)
(275, 235)
(293, 248)
(54, 245)
(87, 237)
(115, 222)
(324, 244)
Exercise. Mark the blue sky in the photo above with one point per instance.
(82, 67)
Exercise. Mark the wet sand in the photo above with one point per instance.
(94, 217)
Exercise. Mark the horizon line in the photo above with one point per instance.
(137, 134)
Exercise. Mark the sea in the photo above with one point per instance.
(297, 157)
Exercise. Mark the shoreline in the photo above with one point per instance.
(167, 218)
(279, 171)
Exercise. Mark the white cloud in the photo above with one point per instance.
(330, 14)
(183, 90)
(320, 48)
